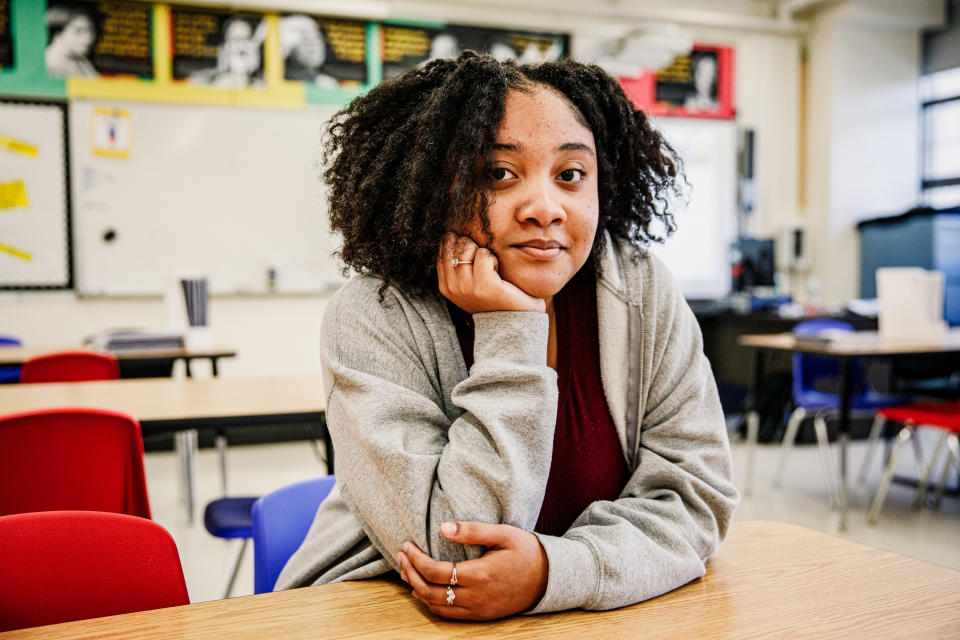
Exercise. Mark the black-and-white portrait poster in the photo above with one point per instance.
(219, 49)
(6, 36)
(408, 46)
(102, 37)
(327, 52)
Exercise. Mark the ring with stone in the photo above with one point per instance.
(457, 261)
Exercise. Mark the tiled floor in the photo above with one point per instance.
(258, 469)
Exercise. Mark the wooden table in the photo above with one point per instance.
(18, 355)
(859, 344)
(165, 405)
(769, 580)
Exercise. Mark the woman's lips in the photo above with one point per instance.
(540, 250)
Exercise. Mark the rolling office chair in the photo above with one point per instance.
(59, 566)
(281, 520)
(945, 417)
(810, 374)
(84, 459)
(70, 366)
(9, 373)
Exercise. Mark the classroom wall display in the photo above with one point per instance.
(98, 37)
(6, 35)
(231, 193)
(218, 48)
(406, 46)
(326, 52)
(34, 208)
(698, 84)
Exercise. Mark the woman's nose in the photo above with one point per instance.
(541, 206)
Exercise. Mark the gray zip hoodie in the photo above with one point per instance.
(421, 441)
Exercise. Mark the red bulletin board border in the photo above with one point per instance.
(642, 90)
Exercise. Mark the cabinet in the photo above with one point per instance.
(919, 238)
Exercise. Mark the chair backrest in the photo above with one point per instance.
(281, 520)
(72, 458)
(59, 566)
(809, 369)
(9, 373)
(70, 366)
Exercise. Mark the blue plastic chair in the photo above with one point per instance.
(810, 374)
(11, 373)
(281, 520)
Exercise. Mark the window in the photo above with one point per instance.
(940, 93)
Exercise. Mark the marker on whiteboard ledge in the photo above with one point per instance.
(271, 279)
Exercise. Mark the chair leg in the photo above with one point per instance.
(875, 432)
(826, 459)
(953, 457)
(315, 446)
(881, 494)
(753, 432)
(236, 568)
(185, 445)
(926, 471)
(220, 440)
(789, 437)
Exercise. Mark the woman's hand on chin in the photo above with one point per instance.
(474, 283)
(509, 578)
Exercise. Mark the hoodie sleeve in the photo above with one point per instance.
(402, 465)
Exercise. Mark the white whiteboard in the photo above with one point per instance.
(34, 237)
(698, 253)
(227, 192)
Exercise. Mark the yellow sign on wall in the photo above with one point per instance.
(13, 194)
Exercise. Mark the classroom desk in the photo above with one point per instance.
(165, 405)
(768, 580)
(859, 344)
(18, 355)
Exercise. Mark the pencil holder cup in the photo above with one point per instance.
(198, 338)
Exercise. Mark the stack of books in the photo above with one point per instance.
(135, 341)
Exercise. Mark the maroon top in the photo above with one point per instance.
(588, 463)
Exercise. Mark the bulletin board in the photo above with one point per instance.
(233, 194)
(34, 206)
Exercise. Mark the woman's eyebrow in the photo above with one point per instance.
(575, 146)
(566, 146)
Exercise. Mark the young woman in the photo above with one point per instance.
(523, 416)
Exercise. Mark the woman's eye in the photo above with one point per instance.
(572, 175)
(500, 173)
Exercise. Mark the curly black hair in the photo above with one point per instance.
(409, 161)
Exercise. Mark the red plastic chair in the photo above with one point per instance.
(59, 566)
(73, 458)
(70, 366)
(945, 417)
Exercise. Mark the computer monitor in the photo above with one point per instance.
(752, 263)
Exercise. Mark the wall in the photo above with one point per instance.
(767, 99)
(863, 134)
